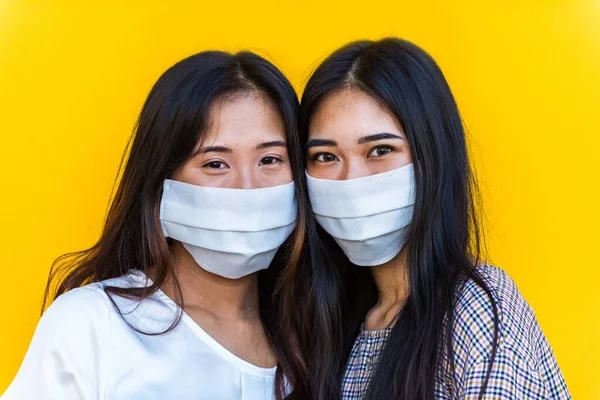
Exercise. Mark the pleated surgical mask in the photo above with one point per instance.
(369, 216)
(229, 232)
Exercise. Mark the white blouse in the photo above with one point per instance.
(83, 349)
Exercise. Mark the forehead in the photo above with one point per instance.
(244, 116)
(351, 113)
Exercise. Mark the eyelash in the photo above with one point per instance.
(208, 164)
(275, 160)
(317, 155)
(387, 147)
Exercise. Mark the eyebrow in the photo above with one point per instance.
(223, 149)
(275, 143)
(320, 142)
(378, 136)
(215, 149)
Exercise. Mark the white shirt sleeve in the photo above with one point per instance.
(65, 360)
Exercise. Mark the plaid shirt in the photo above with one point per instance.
(524, 367)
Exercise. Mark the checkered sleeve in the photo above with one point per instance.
(524, 366)
(512, 378)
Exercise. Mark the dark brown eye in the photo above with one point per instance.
(215, 165)
(324, 157)
(269, 160)
(380, 151)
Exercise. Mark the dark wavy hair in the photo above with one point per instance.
(445, 242)
(172, 122)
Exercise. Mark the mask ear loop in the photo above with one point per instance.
(162, 208)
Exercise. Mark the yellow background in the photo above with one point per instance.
(526, 74)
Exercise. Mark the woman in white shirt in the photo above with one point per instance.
(181, 297)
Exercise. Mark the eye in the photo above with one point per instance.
(269, 160)
(215, 165)
(380, 151)
(324, 157)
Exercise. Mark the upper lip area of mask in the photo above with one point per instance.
(243, 210)
(364, 196)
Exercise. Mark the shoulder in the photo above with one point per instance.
(523, 361)
(84, 307)
(81, 323)
(495, 298)
(82, 304)
(70, 349)
(74, 319)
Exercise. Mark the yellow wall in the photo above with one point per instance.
(74, 74)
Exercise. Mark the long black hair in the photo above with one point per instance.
(172, 122)
(445, 240)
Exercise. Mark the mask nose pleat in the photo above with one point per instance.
(229, 232)
(369, 216)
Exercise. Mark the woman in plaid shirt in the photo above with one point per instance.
(391, 184)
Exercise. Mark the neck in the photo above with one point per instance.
(391, 280)
(219, 296)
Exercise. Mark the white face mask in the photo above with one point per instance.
(368, 217)
(229, 232)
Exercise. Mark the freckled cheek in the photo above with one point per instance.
(324, 170)
(377, 168)
(400, 159)
(184, 174)
(194, 174)
(388, 163)
(407, 155)
(312, 166)
(200, 179)
(279, 176)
